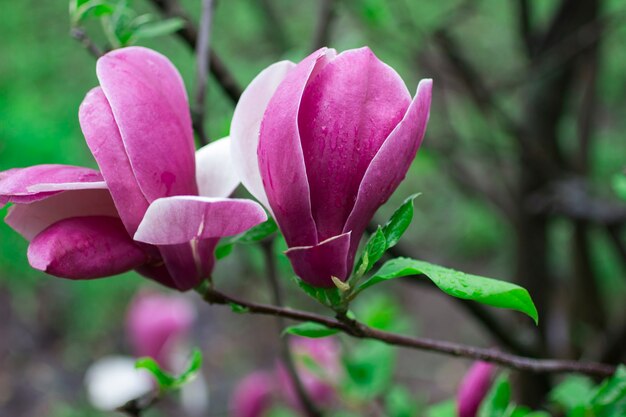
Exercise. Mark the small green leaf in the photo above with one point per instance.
(370, 368)
(399, 402)
(459, 284)
(160, 28)
(167, 381)
(574, 391)
(238, 308)
(310, 329)
(223, 250)
(328, 296)
(84, 9)
(497, 400)
(612, 390)
(164, 379)
(443, 409)
(374, 250)
(400, 221)
(619, 185)
(259, 232)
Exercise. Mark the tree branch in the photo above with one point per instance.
(361, 331)
(81, 36)
(285, 350)
(189, 34)
(324, 24)
(202, 66)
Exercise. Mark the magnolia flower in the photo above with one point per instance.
(254, 395)
(473, 389)
(156, 324)
(324, 143)
(85, 224)
(260, 391)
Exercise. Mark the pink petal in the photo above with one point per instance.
(155, 323)
(85, 248)
(105, 142)
(149, 103)
(253, 396)
(390, 165)
(246, 126)
(25, 185)
(474, 387)
(346, 114)
(280, 154)
(181, 219)
(189, 263)
(216, 174)
(30, 219)
(316, 264)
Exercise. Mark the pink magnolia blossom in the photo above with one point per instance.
(323, 144)
(473, 389)
(254, 395)
(157, 323)
(260, 391)
(85, 224)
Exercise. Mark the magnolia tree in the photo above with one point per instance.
(320, 144)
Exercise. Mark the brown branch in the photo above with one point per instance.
(525, 26)
(274, 25)
(361, 331)
(189, 34)
(202, 65)
(81, 36)
(327, 14)
(285, 350)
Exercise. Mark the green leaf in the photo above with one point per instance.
(574, 391)
(223, 250)
(610, 399)
(84, 9)
(385, 237)
(400, 221)
(167, 381)
(619, 185)
(399, 403)
(328, 296)
(497, 400)
(310, 329)
(443, 409)
(164, 379)
(459, 284)
(238, 308)
(374, 250)
(370, 368)
(160, 28)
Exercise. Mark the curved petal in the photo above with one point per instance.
(189, 263)
(316, 264)
(346, 114)
(85, 248)
(181, 219)
(391, 163)
(215, 172)
(149, 103)
(30, 219)
(106, 145)
(26, 185)
(246, 126)
(280, 154)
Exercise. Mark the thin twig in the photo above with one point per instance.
(81, 36)
(203, 57)
(189, 34)
(359, 330)
(324, 24)
(285, 350)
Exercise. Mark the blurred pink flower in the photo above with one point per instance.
(157, 323)
(323, 144)
(474, 387)
(85, 224)
(254, 395)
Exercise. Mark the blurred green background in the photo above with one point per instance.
(51, 329)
